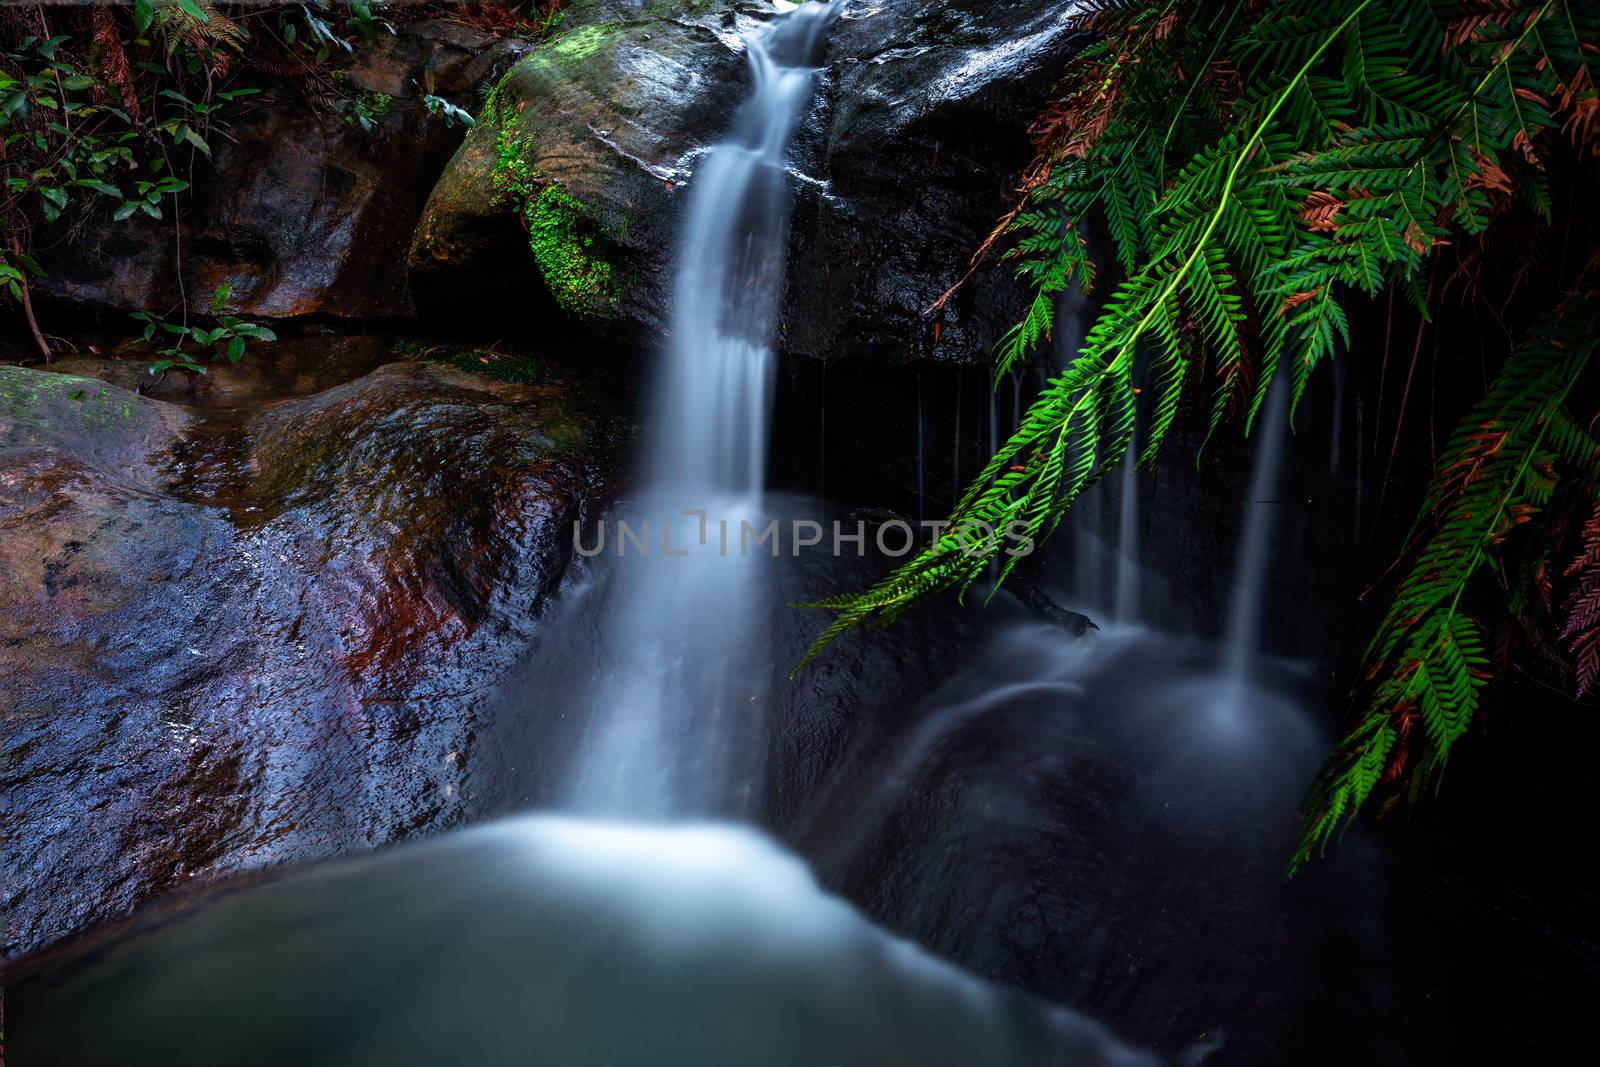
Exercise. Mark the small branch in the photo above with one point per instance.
(27, 309)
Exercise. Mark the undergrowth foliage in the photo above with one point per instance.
(1257, 166)
(114, 109)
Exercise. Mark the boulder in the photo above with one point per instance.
(259, 635)
(576, 173)
(291, 366)
(300, 211)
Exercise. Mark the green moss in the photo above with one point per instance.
(513, 174)
(490, 114)
(578, 277)
(578, 44)
(32, 400)
(484, 362)
(561, 231)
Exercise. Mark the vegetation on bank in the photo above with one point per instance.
(113, 110)
(1259, 168)
(561, 231)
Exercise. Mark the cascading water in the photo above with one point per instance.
(554, 939)
(921, 504)
(1005, 820)
(1336, 427)
(1128, 537)
(1244, 622)
(674, 725)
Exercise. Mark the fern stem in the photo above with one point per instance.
(1177, 115)
(1233, 176)
(1479, 550)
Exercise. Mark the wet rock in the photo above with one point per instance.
(1084, 819)
(943, 91)
(615, 114)
(290, 366)
(300, 211)
(264, 634)
(611, 114)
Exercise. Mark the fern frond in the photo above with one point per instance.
(1428, 656)
(1257, 166)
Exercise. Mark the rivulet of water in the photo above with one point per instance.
(676, 716)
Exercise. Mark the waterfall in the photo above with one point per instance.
(1088, 548)
(955, 462)
(921, 506)
(675, 712)
(1336, 433)
(1244, 623)
(1128, 537)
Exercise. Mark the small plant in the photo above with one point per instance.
(438, 105)
(230, 331)
(364, 109)
(452, 115)
(328, 29)
(86, 116)
(12, 264)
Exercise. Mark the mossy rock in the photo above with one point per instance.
(263, 634)
(619, 109)
(98, 423)
(584, 148)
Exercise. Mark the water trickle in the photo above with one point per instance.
(1128, 537)
(994, 419)
(675, 711)
(1016, 400)
(1244, 624)
(955, 465)
(921, 507)
(1336, 431)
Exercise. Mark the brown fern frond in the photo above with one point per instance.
(215, 32)
(1582, 630)
(1582, 104)
(110, 59)
(1471, 20)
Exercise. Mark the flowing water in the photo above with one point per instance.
(1064, 815)
(1128, 537)
(538, 940)
(1250, 567)
(674, 722)
(584, 940)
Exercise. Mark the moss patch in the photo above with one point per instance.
(558, 231)
(513, 175)
(35, 399)
(561, 233)
(485, 362)
(579, 44)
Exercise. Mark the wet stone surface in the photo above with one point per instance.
(242, 636)
(621, 110)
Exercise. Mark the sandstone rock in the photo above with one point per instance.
(610, 118)
(300, 211)
(291, 366)
(262, 636)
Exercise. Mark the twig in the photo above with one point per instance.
(27, 307)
